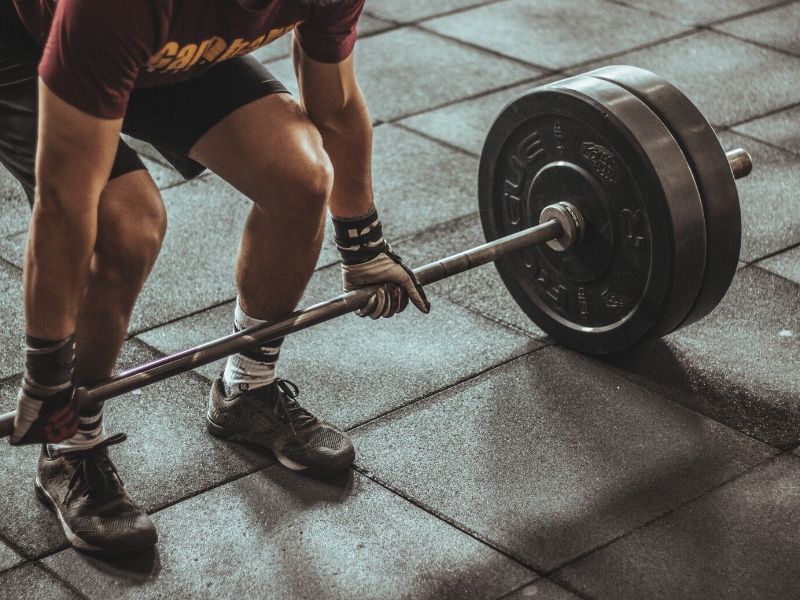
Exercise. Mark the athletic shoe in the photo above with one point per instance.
(271, 417)
(87, 495)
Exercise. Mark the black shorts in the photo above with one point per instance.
(171, 118)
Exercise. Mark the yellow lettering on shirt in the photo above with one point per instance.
(174, 57)
(163, 57)
(184, 58)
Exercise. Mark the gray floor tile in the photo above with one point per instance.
(740, 541)
(737, 365)
(781, 129)
(542, 589)
(8, 558)
(11, 321)
(551, 455)
(168, 456)
(31, 581)
(408, 356)
(708, 11)
(510, 33)
(776, 28)
(465, 124)
(279, 535)
(405, 11)
(768, 197)
(786, 264)
(406, 71)
(479, 289)
(15, 211)
(725, 77)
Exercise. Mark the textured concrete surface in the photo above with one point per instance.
(8, 558)
(407, 71)
(542, 589)
(776, 28)
(344, 538)
(786, 264)
(727, 79)
(753, 385)
(554, 21)
(768, 198)
(551, 455)
(703, 13)
(14, 216)
(740, 541)
(11, 321)
(415, 10)
(781, 129)
(465, 124)
(32, 581)
(448, 345)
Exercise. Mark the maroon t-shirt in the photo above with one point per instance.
(97, 51)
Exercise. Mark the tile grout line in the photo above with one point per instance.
(756, 43)
(732, 129)
(364, 472)
(552, 573)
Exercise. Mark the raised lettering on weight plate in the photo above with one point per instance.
(583, 305)
(558, 138)
(633, 228)
(554, 290)
(530, 149)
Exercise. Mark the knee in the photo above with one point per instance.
(127, 248)
(302, 183)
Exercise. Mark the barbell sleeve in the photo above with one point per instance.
(181, 362)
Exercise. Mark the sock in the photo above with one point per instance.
(359, 239)
(45, 407)
(253, 368)
(91, 431)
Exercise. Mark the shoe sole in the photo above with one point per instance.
(47, 500)
(242, 438)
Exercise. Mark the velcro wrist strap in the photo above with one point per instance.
(360, 239)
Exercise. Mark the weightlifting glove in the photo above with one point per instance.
(367, 259)
(47, 406)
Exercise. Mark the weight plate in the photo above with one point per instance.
(642, 257)
(712, 172)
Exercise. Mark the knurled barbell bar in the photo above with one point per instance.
(611, 213)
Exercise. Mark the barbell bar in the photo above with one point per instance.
(558, 229)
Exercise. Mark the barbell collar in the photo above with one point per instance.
(181, 362)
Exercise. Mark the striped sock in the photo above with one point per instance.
(253, 368)
(91, 431)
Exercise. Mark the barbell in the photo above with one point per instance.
(610, 210)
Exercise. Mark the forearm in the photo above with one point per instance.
(57, 259)
(347, 137)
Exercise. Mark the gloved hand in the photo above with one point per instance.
(399, 285)
(46, 421)
(368, 260)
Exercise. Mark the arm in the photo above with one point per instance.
(73, 162)
(333, 100)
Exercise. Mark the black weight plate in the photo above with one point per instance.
(642, 258)
(711, 171)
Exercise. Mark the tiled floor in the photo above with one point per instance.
(491, 463)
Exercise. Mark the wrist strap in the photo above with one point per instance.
(359, 239)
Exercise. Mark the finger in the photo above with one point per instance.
(368, 308)
(392, 303)
(403, 300)
(417, 296)
(380, 295)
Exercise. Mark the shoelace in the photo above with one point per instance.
(96, 470)
(288, 409)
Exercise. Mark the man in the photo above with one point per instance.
(175, 73)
